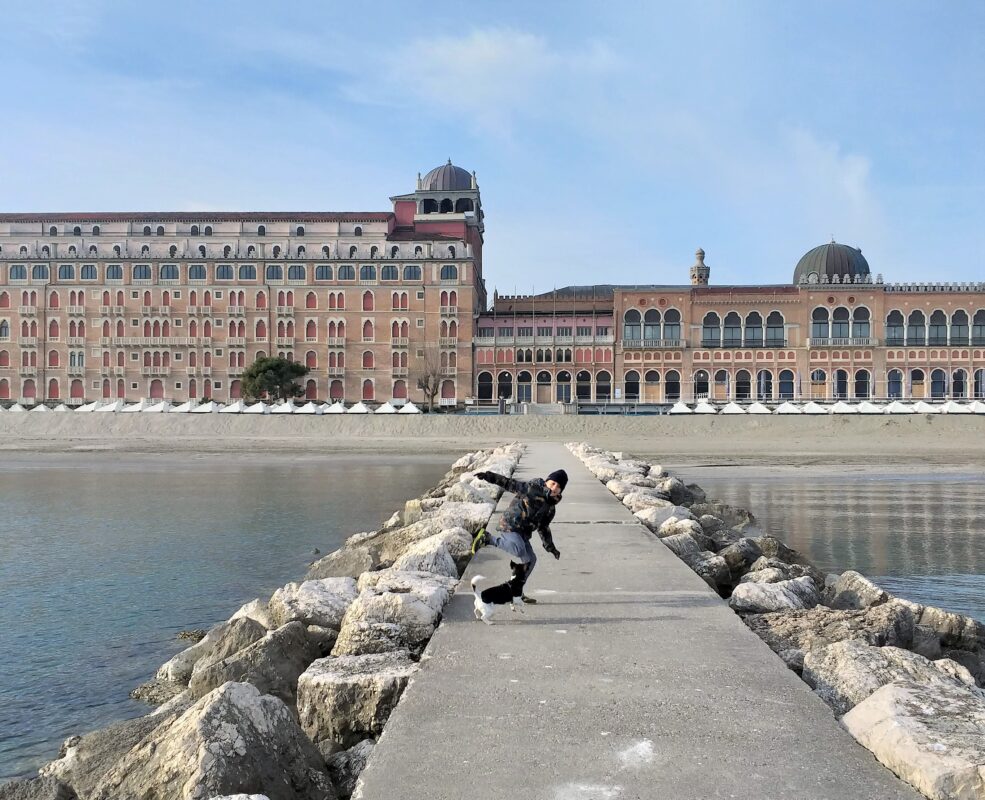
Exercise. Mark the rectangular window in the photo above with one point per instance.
(486, 332)
(525, 331)
(420, 354)
(564, 331)
(420, 323)
(176, 294)
(95, 384)
(177, 356)
(218, 294)
(178, 323)
(134, 295)
(217, 385)
(602, 330)
(218, 351)
(135, 323)
(505, 331)
(420, 295)
(544, 331)
(135, 356)
(584, 330)
(177, 384)
(133, 385)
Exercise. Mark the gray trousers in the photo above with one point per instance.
(518, 547)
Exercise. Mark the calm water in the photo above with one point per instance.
(104, 558)
(919, 535)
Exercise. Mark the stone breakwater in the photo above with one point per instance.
(905, 680)
(286, 698)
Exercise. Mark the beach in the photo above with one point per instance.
(917, 441)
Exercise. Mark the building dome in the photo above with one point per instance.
(830, 263)
(447, 178)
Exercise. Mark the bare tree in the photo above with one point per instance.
(428, 371)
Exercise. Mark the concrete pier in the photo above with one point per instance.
(629, 679)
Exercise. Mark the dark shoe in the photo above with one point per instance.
(530, 601)
(481, 540)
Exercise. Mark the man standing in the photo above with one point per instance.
(532, 509)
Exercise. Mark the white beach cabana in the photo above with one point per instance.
(954, 407)
(42, 409)
(111, 408)
(788, 408)
(841, 407)
(758, 408)
(814, 408)
(210, 407)
(386, 408)
(733, 408)
(977, 407)
(704, 407)
(409, 408)
(899, 407)
(257, 408)
(17, 408)
(680, 407)
(286, 407)
(926, 408)
(234, 408)
(134, 407)
(310, 407)
(336, 408)
(88, 408)
(157, 408)
(865, 407)
(61, 408)
(184, 408)
(358, 408)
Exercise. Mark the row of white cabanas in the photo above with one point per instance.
(211, 407)
(841, 407)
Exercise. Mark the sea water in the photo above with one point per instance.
(104, 558)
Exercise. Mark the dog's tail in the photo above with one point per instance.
(475, 583)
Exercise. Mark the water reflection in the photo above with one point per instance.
(921, 534)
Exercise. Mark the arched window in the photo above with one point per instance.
(583, 386)
(368, 331)
(394, 251)
(374, 251)
(276, 251)
(820, 328)
(786, 385)
(743, 385)
(295, 272)
(631, 382)
(895, 384)
(299, 230)
(311, 300)
(895, 328)
(196, 272)
(169, 272)
(672, 325)
(368, 303)
(53, 329)
(764, 385)
(367, 272)
(733, 330)
(160, 230)
(275, 272)
(917, 383)
(352, 251)
(323, 272)
(711, 332)
(52, 231)
(841, 384)
(449, 272)
(603, 386)
(937, 331)
(141, 272)
(208, 230)
(446, 206)
(368, 359)
(88, 272)
(524, 381)
(261, 230)
(484, 386)
(194, 230)
(959, 384)
(651, 325)
(861, 328)
(916, 328)
(632, 329)
(701, 385)
(311, 330)
(754, 329)
(145, 251)
(863, 385)
(347, 273)
(201, 251)
(563, 387)
(978, 329)
(388, 273)
(412, 273)
(959, 328)
(95, 230)
(840, 325)
(505, 386)
(938, 384)
(147, 230)
(4, 331)
(18, 272)
(247, 272)
(979, 388)
(39, 272)
(66, 272)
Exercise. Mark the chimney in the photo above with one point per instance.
(700, 272)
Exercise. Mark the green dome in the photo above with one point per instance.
(830, 260)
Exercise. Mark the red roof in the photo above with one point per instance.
(202, 216)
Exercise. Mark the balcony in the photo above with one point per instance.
(656, 344)
(76, 370)
(164, 311)
(335, 372)
(27, 311)
(119, 371)
(286, 310)
(193, 310)
(76, 341)
(449, 372)
(400, 341)
(485, 341)
(236, 311)
(236, 341)
(159, 341)
(157, 371)
(400, 372)
(234, 372)
(447, 402)
(285, 341)
(28, 370)
(564, 340)
(449, 311)
(335, 341)
(853, 341)
(76, 311)
(448, 341)
(28, 341)
(509, 341)
(528, 340)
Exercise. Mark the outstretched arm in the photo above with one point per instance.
(547, 540)
(511, 485)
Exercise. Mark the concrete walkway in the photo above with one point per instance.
(630, 679)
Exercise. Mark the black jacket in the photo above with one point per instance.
(531, 510)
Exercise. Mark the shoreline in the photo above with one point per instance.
(948, 441)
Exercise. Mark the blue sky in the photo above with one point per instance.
(610, 139)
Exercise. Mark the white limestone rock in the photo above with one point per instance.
(350, 561)
(641, 499)
(789, 571)
(630, 483)
(853, 590)
(241, 797)
(766, 575)
(381, 621)
(233, 740)
(348, 698)
(428, 555)
(683, 545)
(272, 664)
(740, 556)
(470, 516)
(43, 788)
(764, 598)
(653, 518)
(227, 636)
(845, 673)
(930, 735)
(432, 589)
(257, 611)
(321, 602)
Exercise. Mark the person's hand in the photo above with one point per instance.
(556, 553)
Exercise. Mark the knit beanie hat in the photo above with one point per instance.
(560, 477)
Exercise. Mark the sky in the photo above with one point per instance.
(610, 140)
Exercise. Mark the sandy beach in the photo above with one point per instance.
(957, 441)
